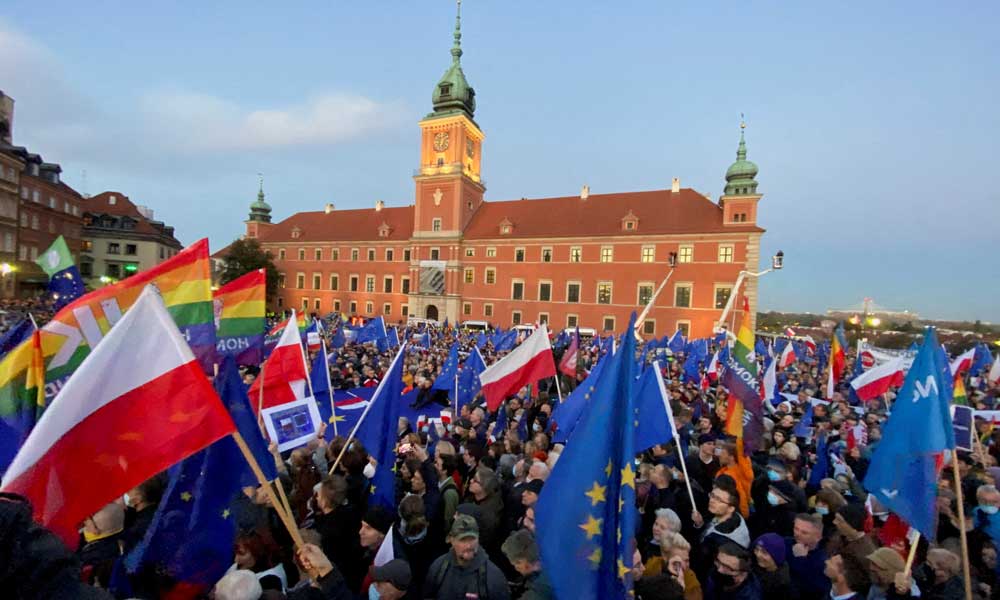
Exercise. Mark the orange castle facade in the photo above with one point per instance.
(587, 260)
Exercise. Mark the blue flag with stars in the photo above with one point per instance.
(468, 378)
(379, 436)
(586, 515)
(446, 380)
(903, 473)
(652, 403)
(234, 396)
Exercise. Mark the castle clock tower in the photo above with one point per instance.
(449, 190)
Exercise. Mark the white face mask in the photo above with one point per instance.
(373, 593)
(125, 499)
(369, 471)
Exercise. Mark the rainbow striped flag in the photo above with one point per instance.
(239, 318)
(183, 281)
(745, 408)
(959, 396)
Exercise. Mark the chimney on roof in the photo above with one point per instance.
(675, 185)
(145, 211)
(585, 192)
(379, 205)
(328, 208)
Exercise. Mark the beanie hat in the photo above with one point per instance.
(378, 518)
(854, 515)
(773, 544)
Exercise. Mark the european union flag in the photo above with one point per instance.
(468, 378)
(338, 340)
(567, 414)
(234, 396)
(676, 343)
(481, 340)
(191, 536)
(586, 515)
(654, 411)
(379, 437)
(903, 470)
(393, 338)
(319, 377)
(446, 380)
(802, 427)
(507, 341)
(500, 427)
(374, 332)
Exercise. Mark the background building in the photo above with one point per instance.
(45, 208)
(587, 260)
(121, 238)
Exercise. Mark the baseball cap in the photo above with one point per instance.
(396, 572)
(464, 526)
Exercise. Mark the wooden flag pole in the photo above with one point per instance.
(285, 517)
(961, 525)
(284, 498)
(912, 555)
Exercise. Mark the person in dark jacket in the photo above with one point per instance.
(731, 577)
(411, 542)
(140, 508)
(522, 552)
(101, 545)
(465, 571)
(938, 579)
(727, 525)
(485, 491)
(339, 524)
(849, 577)
(770, 566)
(777, 514)
(807, 559)
(392, 580)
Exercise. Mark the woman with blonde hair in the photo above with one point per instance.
(675, 559)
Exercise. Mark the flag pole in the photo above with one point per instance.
(673, 429)
(456, 393)
(329, 386)
(286, 518)
(961, 525)
(558, 387)
(375, 396)
(649, 305)
(912, 555)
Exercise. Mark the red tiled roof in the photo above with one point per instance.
(123, 207)
(343, 225)
(657, 211)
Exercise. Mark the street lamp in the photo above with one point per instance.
(777, 263)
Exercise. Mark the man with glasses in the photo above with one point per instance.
(731, 577)
(726, 526)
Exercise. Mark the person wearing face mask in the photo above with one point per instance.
(731, 577)
(986, 515)
(391, 581)
(140, 507)
(777, 515)
(938, 578)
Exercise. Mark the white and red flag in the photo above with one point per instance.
(787, 356)
(136, 405)
(526, 364)
(713, 367)
(878, 379)
(963, 362)
(789, 332)
(994, 376)
(284, 372)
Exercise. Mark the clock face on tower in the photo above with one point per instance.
(441, 141)
(470, 148)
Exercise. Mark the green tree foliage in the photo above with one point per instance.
(244, 256)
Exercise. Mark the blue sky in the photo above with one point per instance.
(874, 125)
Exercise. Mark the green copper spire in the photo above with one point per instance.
(453, 94)
(741, 175)
(260, 210)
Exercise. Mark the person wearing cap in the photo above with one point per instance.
(374, 526)
(770, 566)
(465, 571)
(522, 552)
(704, 465)
(392, 580)
(883, 565)
(531, 491)
(850, 536)
(777, 513)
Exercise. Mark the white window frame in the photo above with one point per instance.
(518, 320)
(680, 253)
(604, 320)
(469, 275)
(651, 322)
(715, 291)
(579, 250)
(488, 309)
(436, 224)
(611, 254)
(542, 282)
(684, 284)
(524, 290)
(597, 293)
(486, 275)
(685, 322)
(524, 254)
(732, 253)
(652, 254)
(638, 291)
(491, 252)
(579, 293)
(470, 252)
(576, 320)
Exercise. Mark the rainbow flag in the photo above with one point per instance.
(66, 340)
(23, 400)
(959, 396)
(745, 418)
(239, 318)
(838, 359)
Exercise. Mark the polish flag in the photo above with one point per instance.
(770, 382)
(787, 356)
(138, 404)
(878, 379)
(713, 367)
(284, 373)
(789, 332)
(963, 362)
(810, 344)
(526, 364)
(994, 376)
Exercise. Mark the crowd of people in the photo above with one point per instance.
(774, 521)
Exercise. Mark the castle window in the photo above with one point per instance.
(445, 89)
(436, 225)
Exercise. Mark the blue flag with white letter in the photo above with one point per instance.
(904, 467)
(586, 515)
